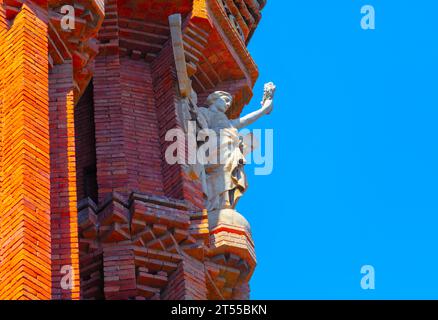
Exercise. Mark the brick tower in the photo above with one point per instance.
(85, 191)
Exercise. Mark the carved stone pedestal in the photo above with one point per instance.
(231, 248)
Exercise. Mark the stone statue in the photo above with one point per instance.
(224, 180)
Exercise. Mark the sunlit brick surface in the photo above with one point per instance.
(25, 266)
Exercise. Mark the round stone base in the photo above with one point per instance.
(228, 217)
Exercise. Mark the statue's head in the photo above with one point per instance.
(221, 100)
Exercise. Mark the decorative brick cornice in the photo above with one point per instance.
(237, 44)
(162, 235)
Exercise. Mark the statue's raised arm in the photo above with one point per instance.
(267, 106)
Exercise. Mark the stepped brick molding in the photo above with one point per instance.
(87, 198)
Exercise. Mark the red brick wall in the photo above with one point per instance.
(63, 198)
(86, 146)
(127, 143)
(142, 143)
(112, 172)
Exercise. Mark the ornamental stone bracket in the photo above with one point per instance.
(232, 250)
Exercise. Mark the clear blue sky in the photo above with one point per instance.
(355, 177)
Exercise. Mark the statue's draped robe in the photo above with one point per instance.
(226, 180)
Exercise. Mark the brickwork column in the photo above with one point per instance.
(25, 239)
(112, 171)
(64, 220)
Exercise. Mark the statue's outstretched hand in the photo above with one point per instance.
(268, 97)
(267, 106)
